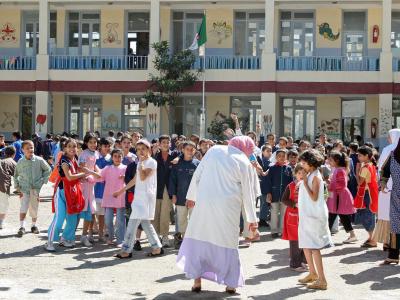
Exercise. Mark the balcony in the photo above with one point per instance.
(313, 63)
(76, 62)
(233, 62)
(17, 62)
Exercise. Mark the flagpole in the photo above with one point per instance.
(203, 107)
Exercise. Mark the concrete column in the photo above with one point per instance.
(42, 105)
(385, 118)
(386, 56)
(43, 26)
(154, 23)
(269, 109)
(268, 59)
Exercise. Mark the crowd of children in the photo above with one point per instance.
(123, 185)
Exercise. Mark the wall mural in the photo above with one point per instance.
(326, 31)
(41, 120)
(152, 123)
(221, 31)
(385, 117)
(330, 128)
(9, 120)
(7, 33)
(111, 36)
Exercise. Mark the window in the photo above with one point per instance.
(83, 33)
(187, 115)
(135, 109)
(248, 110)
(138, 33)
(297, 33)
(299, 118)
(31, 25)
(185, 27)
(85, 114)
(354, 35)
(53, 33)
(353, 119)
(396, 112)
(395, 33)
(27, 119)
(249, 33)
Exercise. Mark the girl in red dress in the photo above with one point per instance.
(291, 221)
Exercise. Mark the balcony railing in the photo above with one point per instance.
(228, 62)
(327, 63)
(76, 62)
(17, 62)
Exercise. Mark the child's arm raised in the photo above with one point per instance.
(313, 192)
(144, 173)
(129, 185)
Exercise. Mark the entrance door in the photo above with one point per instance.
(396, 120)
(187, 116)
(299, 118)
(27, 123)
(31, 31)
(85, 114)
(353, 119)
(90, 38)
(135, 123)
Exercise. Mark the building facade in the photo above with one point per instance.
(294, 67)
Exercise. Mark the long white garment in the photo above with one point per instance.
(222, 183)
(313, 217)
(144, 203)
(384, 196)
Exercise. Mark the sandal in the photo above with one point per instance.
(230, 291)
(318, 285)
(309, 278)
(151, 254)
(196, 289)
(368, 245)
(119, 255)
(389, 261)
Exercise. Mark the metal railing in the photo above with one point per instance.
(234, 62)
(17, 62)
(101, 62)
(327, 63)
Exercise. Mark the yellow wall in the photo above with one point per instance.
(214, 104)
(59, 114)
(332, 16)
(220, 28)
(13, 17)
(328, 114)
(112, 28)
(372, 111)
(9, 113)
(165, 23)
(374, 18)
(60, 27)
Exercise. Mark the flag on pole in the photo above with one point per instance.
(201, 36)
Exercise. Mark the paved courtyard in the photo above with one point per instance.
(28, 272)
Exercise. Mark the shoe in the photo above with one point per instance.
(389, 261)
(85, 241)
(49, 247)
(230, 290)
(308, 279)
(165, 241)
(245, 243)
(263, 223)
(350, 240)
(67, 244)
(21, 232)
(196, 289)
(151, 254)
(275, 235)
(318, 285)
(300, 269)
(91, 238)
(34, 229)
(137, 246)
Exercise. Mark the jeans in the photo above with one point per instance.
(109, 221)
(265, 208)
(61, 215)
(367, 217)
(277, 213)
(130, 235)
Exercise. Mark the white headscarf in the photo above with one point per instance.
(394, 137)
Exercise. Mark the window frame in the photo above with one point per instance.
(247, 107)
(183, 21)
(364, 123)
(364, 33)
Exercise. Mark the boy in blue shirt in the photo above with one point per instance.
(179, 181)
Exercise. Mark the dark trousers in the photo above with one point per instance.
(296, 255)
(345, 219)
(394, 250)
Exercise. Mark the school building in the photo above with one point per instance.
(297, 67)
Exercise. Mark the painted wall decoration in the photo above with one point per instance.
(385, 117)
(8, 33)
(326, 31)
(111, 36)
(152, 123)
(221, 31)
(267, 124)
(374, 128)
(9, 120)
(41, 120)
(330, 128)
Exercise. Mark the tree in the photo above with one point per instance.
(175, 74)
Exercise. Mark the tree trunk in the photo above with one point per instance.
(171, 118)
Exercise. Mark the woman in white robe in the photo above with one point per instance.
(222, 184)
(382, 228)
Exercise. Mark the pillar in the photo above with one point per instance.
(385, 118)
(154, 24)
(386, 53)
(269, 118)
(42, 59)
(42, 112)
(268, 59)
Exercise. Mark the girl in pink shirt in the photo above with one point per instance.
(113, 177)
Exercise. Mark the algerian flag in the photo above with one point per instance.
(201, 36)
